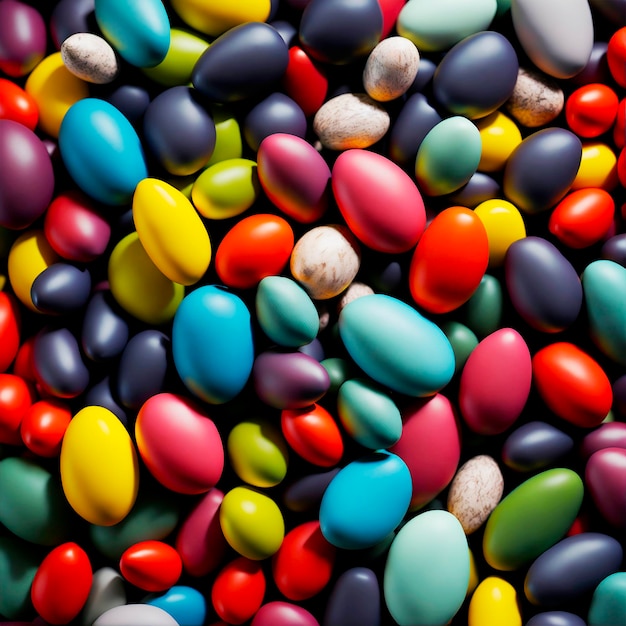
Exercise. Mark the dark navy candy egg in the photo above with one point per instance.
(61, 288)
(69, 17)
(105, 332)
(556, 618)
(355, 599)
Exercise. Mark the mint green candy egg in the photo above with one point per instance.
(462, 340)
(18, 565)
(608, 603)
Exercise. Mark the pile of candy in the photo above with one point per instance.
(313, 312)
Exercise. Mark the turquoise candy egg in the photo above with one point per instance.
(604, 290)
(608, 604)
(396, 346)
(285, 312)
(448, 156)
(427, 570)
(365, 501)
(102, 151)
(185, 604)
(368, 414)
(212, 343)
(139, 31)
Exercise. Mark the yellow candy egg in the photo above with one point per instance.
(171, 231)
(29, 255)
(252, 523)
(138, 285)
(598, 168)
(499, 136)
(99, 468)
(504, 225)
(473, 578)
(494, 603)
(55, 89)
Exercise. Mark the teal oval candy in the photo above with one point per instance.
(368, 414)
(427, 570)
(285, 312)
(396, 346)
(608, 603)
(448, 156)
(604, 290)
(102, 151)
(339, 370)
(365, 501)
(212, 343)
(483, 311)
(462, 340)
(532, 518)
(139, 31)
(18, 564)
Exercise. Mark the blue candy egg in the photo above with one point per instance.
(102, 151)
(365, 501)
(185, 604)
(396, 346)
(212, 343)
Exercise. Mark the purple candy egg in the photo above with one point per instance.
(22, 38)
(605, 477)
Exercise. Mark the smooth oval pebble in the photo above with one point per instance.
(605, 479)
(136, 614)
(380, 332)
(494, 602)
(99, 467)
(347, 519)
(532, 518)
(107, 591)
(90, 58)
(427, 549)
(608, 603)
(354, 599)
(556, 618)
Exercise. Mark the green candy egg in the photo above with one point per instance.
(462, 340)
(339, 370)
(483, 311)
(368, 414)
(228, 142)
(285, 312)
(532, 518)
(258, 453)
(18, 565)
(608, 603)
(448, 156)
(32, 504)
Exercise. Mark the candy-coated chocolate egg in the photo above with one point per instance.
(238, 590)
(609, 435)
(306, 493)
(101, 151)
(499, 136)
(605, 479)
(185, 604)
(427, 549)
(591, 110)
(475, 491)
(10, 329)
(105, 331)
(556, 618)
(69, 17)
(347, 519)
(532, 518)
(305, 81)
(99, 468)
(542, 284)
(43, 427)
(598, 167)
(494, 602)
(355, 599)
(572, 384)
(608, 603)
(151, 565)
(62, 583)
(16, 398)
(313, 434)
(365, 207)
(279, 613)
(23, 37)
(18, 565)
(17, 105)
(101, 394)
(252, 523)
(504, 225)
(136, 614)
(303, 565)
(61, 288)
(462, 340)
(616, 56)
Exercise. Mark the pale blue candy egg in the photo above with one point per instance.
(185, 604)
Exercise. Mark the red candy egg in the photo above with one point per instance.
(572, 384)
(256, 247)
(619, 130)
(24, 362)
(15, 400)
(10, 322)
(151, 565)
(44, 425)
(238, 591)
(591, 110)
(616, 56)
(304, 81)
(17, 105)
(449, 261)
(62, 583)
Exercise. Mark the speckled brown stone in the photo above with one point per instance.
(90, 58)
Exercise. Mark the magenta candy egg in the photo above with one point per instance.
(430, 446)
(179, 444)
(495, 382)
(605, 477)
(378, 200)
(278, 613)
(609, 435)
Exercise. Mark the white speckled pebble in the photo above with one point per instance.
(354, 291)
(475, 491)
(351, 120)
(90, 58)
(391, 68)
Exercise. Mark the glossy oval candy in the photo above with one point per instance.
(608, 602)
(101, 394)
(136, 614)
(10, 329)
(313, 434)
(542, 285)
(555, 618)
(532, 180)
(104, 332)
(615, 56)
(185, 604)
(252, 523)
(504, 225)
(184, 454)
(355, 599)
(305, 81)
(16, 398)
(61, 288)
(21, 202)
(571, 568)
(591, 110)
(572, 384)
(305, 494)
(362, 206)
(499, 136)
(151, 565)
(603, 287)
(399, 331)
(89, 57)
(449, 260)
(454, 82)
(242, 61)
(432, 465)
(18, 565)
(215, 323)
(99, 468)
(294, 176)
(62, 583)
(140, 35)
(101, 151)
(532, 518)
(427, 549)
(23, 35)
(462, 340)
(598, 167)
(604, 476)
(608, 435)
(279, 613)
(347, 518)
(494, 602)
(43, 427)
